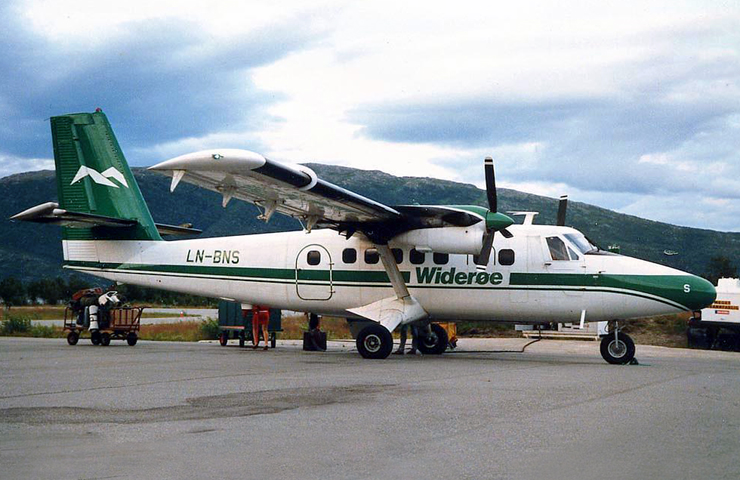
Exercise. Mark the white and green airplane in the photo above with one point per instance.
(356, 258)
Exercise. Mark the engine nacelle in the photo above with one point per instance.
(466, 240)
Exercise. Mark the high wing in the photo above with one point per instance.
(295, 190)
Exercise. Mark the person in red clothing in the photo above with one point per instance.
(260, 319)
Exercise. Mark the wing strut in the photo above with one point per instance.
(392, 311)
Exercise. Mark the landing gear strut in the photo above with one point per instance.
(617, 347)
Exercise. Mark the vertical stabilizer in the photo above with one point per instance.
(93, 177)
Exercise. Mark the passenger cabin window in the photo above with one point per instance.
(506, 257)
(557, 248)
(371, 256)
(397, 254)
(416, 257)
(441, 258)
(313, 258)
(349, 255)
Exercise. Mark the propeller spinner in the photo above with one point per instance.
(494, 221)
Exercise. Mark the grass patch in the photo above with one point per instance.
(39, 312)
(16, 325)
(487, 330)
(56, 312)
(663, 330)
(191, 331)
(335, 327)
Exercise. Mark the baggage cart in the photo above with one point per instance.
(121, 323)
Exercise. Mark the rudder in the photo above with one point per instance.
(93, 177)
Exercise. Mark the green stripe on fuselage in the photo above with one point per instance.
(688, 291)
(371, 276)
(669, 288)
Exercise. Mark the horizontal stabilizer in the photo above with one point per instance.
(50, 212)
(164, 229)
(392, 311)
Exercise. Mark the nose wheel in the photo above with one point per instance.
(617, 347)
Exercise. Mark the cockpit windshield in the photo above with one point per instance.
(581, 243)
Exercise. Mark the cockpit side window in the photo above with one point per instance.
(558, 251)
(580, 242)
(573, 255)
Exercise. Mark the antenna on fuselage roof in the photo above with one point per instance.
(528, 216)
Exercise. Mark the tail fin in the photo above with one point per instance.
(94, 178)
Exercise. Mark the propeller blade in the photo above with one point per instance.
(562, 208)
(506, 233)
(481, 261)
(490, 185)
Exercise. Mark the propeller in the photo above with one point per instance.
(494, 220)
(562, 208)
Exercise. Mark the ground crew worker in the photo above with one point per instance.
(404, 332)
(260, 320)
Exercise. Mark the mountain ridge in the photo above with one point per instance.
(32, 251)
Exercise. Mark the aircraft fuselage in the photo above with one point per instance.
(326, 273)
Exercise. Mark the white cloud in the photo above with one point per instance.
(644, 97)
(10, 164)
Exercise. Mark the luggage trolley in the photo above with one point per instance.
(122, 323)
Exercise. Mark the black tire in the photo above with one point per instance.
(697, 337)
(374, 341)
(72, 338)
(434, 344)
(223, 339)
(132, 338)
(242, 339)
(95, 337)
(273, 340)
(618, 352)
(105, 339)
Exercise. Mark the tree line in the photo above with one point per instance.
(54, 291)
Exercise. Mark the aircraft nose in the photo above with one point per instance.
(700, 293)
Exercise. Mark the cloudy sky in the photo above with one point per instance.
(633, 106)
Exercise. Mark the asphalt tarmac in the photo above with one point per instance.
(178, 410)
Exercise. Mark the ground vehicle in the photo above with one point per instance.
(122, 323)
(718, 325)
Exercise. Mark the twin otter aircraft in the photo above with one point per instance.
(381, 264)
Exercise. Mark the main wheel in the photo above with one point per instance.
(374, 341)
(72, 338)
(95, 337)
(105, 339)
(617, 351)
(223, 339)
(435, 343)
(273, 339)
(242, 339)
(131, 339)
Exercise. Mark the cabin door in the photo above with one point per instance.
(313, 273)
